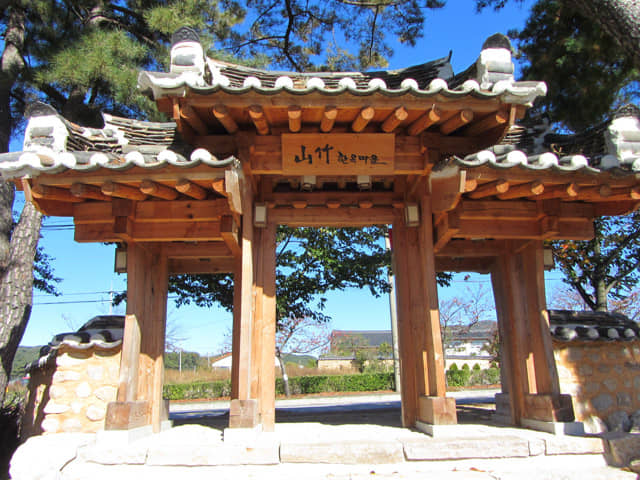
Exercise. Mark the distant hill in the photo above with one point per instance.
(23, 356)
(303, 360)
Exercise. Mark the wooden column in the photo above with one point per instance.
(142, 369)
(243, 410)
(265, 325)
(529, 365)
(421, 354)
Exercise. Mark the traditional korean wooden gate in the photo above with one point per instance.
(250, 150)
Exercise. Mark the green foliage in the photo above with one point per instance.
(367, 382)
(24, 355)
(606, 266)
(299, 385)
(384, 349)
(197, 391)
(454, 367)
(458, 378)
(587, 73)
(465, 377)
(190, 360)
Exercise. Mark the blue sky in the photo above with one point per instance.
(87, 269)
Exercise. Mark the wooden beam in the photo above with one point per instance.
(259, 120)
(489, 122)
(229, 231)
(149, 187)
(149, 232)
(457, 121)
(362, 120)
(190, 189)
(392, 122)
(200, 266)
(522, 190)
(329, 217)
(128, 381)
(490, 189)
(193, 119)
(454, 264)
(294, 113)
(594, 194)
(113, 189)
(182, 211)
(328, 118)
(431, 117)
(233, 190)
(82, 190)
(568, 191)
(448, 227)
(223, 116)
(54, 193)
(615, 208)
(322, 198)
(446, 188)
(183, 250)
(472, 249)
(624, 194)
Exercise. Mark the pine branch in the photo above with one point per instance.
(287, 36)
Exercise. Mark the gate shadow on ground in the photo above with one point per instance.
(386, 414)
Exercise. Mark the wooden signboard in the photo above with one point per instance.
(338, 154)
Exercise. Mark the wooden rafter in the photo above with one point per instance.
(392, 122)
(113, 189)
(54, 193)
(188, 114)
(223, 116)
(362, 119)
(154, 189)
(457, 121)
(431, 117)
(489, 189)
(523, 190)
(294, 113)
(82, 190)
(190, 189)
(328, 118)
(259, 119)
(489, 122)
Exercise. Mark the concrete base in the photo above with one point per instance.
(248, 437)
(556, 428)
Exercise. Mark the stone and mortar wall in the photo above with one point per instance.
(72, 394)
(603, 377)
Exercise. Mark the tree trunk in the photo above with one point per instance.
(599, 280)
(619, 18)
(17, 243)
(285, 377)
(16, 289)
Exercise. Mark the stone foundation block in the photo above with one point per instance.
(345, 452)
(461, 448)
(565, 445)
(549, 408)
(622, 448)
(127, 415)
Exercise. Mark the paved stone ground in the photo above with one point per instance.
(317, 439)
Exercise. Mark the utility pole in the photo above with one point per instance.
(393, 313)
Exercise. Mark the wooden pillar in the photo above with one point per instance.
(265, 326)
(423, 385)
(243, 410)
(528, 362)
(141, 368)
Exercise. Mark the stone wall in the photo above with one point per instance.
(603, 377)
(71, 392)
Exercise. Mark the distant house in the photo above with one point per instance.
(224, 361)
(464, 345)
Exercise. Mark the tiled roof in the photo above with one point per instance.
(569, 325)
(613, 145)
(191, 71)
(52, 144)
(103, 332)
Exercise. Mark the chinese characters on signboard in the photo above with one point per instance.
(336, 154)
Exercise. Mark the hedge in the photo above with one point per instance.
(367, 382)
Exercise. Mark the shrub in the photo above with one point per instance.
(10, 419)
(466, 367)
(201, 390)
(453, 367)
(458, 378)
(476, 367)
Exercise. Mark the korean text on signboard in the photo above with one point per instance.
(338, 154)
